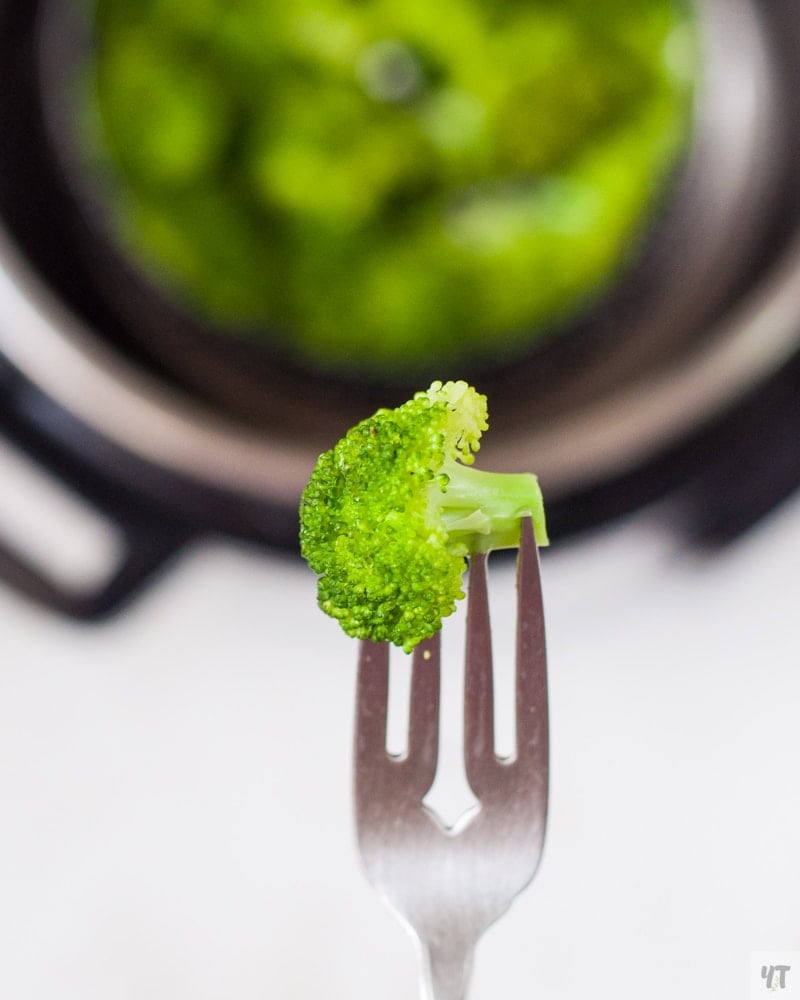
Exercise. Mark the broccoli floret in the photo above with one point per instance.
(393, 510)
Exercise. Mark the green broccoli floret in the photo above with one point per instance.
(393, 510)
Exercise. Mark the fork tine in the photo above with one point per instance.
(371, 701)
(423, 736)
(479, 755)
(531, 679)
(374, 766)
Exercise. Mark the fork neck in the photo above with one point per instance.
(446, 969)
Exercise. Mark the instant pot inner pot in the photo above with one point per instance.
(706, 242)
(372, 189)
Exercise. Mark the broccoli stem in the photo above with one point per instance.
(483, 510)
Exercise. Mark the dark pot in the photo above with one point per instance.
(175, 432)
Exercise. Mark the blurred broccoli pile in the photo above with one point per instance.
(378, 187)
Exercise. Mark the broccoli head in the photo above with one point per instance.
(393, 510)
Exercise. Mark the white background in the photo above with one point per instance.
(175, 815)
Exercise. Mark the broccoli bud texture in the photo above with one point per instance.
(393, 510)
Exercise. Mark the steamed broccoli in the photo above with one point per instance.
(391, 512)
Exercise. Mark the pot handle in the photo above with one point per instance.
(57, 445)
(146, 551)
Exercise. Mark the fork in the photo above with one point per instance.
(449, 884)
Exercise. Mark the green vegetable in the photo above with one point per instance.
(379, 187)
(391, 512)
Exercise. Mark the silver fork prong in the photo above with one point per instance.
(416, 769)
(479, 755)
(371, 702)
(423, 722)
(531, 666)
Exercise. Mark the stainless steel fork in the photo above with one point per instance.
(449, 885)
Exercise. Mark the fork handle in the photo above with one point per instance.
(446, 969)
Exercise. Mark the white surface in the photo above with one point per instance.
(174, 786)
